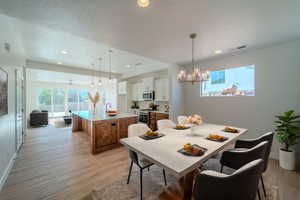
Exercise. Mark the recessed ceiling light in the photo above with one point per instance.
(143, 3)
(59, 63)
(63, 52)
(127, 66)
(218, 51)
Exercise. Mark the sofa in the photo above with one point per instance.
(39, 118)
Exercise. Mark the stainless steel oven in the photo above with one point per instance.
(148, 95)
(144, 116)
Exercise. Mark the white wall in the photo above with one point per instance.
(9, 61)
(277, 90)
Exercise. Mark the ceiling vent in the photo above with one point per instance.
(241, 47)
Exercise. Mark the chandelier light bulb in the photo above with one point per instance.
(143, 3)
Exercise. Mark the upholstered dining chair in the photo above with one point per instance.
(142, 164)
(182, 119)
(165, 123)
(250, 143)
(241, 185)
(236, 158)
(137, 129)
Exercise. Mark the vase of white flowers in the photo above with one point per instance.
(195, 121)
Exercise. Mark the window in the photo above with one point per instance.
(238, 81)
(45, 99)
(59, 101)
(218, 77)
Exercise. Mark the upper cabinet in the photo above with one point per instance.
(147, 84)
(137, 91)
(123, 87)
(161, 89)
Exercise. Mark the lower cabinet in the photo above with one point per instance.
(106, 134)
(154, 117)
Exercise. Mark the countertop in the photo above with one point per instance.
(102, 116)
(157, 111)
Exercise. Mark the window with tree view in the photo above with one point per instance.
(237, 81)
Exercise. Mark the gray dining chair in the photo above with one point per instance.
(236, 158)
(241, 185)
(142, 164)
(250, 143)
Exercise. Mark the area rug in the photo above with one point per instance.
(153, 186)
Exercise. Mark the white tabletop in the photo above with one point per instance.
(163, 151)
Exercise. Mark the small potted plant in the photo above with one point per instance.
(288, 132)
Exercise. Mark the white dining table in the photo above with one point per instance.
(163, 151)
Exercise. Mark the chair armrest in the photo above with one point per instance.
(246, 143)
(237, 158)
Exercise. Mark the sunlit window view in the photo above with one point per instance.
(58, 102)
(238, 81)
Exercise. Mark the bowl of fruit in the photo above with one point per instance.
(230, 130)
(192, 150)
(112, 112)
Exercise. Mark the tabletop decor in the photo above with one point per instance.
(288, 134)
(195, 121)
(94, 99)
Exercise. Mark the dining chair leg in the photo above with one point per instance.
(141, 183)
(263, 186)
(165, 179)
(258, 194)
(148, 169)
(129, 174)
(221, 170)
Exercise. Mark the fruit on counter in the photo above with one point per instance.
(188, 147)
(112, 111)
(232, 130)
(215, 136)
(152, 133)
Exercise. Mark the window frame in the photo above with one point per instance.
(224, 68)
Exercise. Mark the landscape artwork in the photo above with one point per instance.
(3, 92)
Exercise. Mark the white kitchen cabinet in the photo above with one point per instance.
(161, 89)
(147, 84)
(137, 91)
(122, 87)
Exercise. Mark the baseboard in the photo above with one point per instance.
(7, 170)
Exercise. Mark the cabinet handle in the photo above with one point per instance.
(113, 124)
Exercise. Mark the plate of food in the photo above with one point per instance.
(192, 150)
(112, 112)
(149, 135)
(217, 138)
(181, 127)
(230, 130)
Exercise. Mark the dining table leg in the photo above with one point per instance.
(188, 181)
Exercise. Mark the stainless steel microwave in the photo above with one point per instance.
(148, 95)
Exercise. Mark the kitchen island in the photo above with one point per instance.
(104, 131)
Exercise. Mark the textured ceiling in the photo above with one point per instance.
(161, 31)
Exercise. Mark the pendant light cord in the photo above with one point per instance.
(110, 51)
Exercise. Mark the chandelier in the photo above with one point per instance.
(197, 75)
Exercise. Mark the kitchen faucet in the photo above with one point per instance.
(107, 105)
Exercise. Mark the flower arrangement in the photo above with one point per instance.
(94, 99)
(194, 119)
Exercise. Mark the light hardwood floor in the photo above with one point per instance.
(56, 164)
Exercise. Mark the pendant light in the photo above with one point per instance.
(196, 75)
(99, 81)
(109, 75)
(92, 84)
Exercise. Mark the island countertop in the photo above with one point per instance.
(101, 116)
